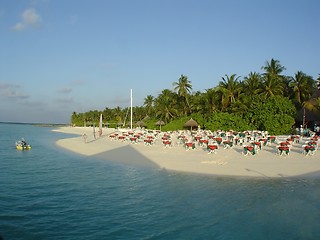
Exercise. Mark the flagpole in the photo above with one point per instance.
(131, 108)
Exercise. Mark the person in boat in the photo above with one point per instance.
(23, 143)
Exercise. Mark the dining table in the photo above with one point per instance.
(228, 144)
(249, 149)
(122, 138)
(212, 148)
(271, 139)
(190, 145)
(166, 143)
(203, 142)
(258, 144)
(283, 150)
(218, 139)
(148, 141)
(309, 150)
(198, 138)
(133, 139)
(284, 144)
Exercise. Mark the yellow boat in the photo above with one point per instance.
(22, 145)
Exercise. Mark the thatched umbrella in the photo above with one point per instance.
(160, 123)
(307, 117)
(140, 124)
(191, 123)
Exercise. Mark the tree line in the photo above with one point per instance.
(261, 101)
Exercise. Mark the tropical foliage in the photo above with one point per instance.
(265, 101)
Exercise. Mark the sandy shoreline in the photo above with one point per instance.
(225, 162)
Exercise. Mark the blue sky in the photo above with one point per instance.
(61, 56)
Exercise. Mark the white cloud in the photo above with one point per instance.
(4, 85)
(9, 91)
(13, 94)
(65, 100)
(30, 18)
(65, 90)
(19, 27)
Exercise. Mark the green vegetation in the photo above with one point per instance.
(260, 101)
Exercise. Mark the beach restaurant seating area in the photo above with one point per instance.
(250, 143)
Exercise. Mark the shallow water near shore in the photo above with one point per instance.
(49, 193)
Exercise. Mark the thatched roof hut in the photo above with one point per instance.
(160, 123)
(140, 124)
(191, 123)
(308, 117)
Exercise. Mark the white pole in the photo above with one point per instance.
(131, 109)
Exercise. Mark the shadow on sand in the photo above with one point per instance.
(127, 155)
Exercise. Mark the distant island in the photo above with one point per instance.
(39, 124)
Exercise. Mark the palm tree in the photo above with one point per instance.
(317, 104)
(318, 82)
(272, 86)
(75, 118)
(148, 104)
(230, 88)
(252, 84)
(273, 68)
(107, 114)
(165, 105)
(183, 88)
(313, 103)
(302, 87)
(195, 101)
(118, 114)
(139, 113)
(211, 100)
(274, 82)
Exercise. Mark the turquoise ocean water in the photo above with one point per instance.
(48, 193)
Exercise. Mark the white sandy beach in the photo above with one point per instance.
(225, 162)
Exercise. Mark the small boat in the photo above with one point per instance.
(22, 145)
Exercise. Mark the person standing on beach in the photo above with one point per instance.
(94, 132)
(301, 131)
(84, 137)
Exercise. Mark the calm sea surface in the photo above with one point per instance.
(48, 193)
